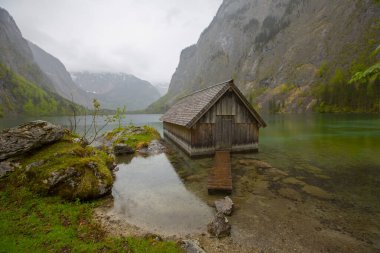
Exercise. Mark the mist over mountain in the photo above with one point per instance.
(117, 89)
(285, 55)
(60, 77)
(16, 54)
(34, 82)
(24, 87)
(162, 88)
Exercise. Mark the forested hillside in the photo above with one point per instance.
(20, 96)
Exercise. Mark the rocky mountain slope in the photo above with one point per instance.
(24, 87)
(117, 89)
(16, 54)
(285, 55)
(60, 77)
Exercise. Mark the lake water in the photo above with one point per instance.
(345, 148)
(321, 154)
(149, 194)
(136, 119)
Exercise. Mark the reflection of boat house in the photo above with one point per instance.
(215, 118)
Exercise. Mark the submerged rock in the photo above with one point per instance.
(192, 246)
(317, 192)
(224, 205)
(293, 181)
(219, 227)
(122, 149)
(290, 193)
(26, 137)
(261, 164)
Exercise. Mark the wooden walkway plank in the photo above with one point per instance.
(220, 178)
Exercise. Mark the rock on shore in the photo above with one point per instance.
(26, 137)
(224, 205)
(50, 161)
(220, 226)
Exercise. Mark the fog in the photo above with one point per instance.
(140, 37)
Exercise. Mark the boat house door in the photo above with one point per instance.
(223, 132)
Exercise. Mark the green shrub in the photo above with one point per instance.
(323, 69)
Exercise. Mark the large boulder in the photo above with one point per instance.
(77, 173)
(219, 227)
(26, 137)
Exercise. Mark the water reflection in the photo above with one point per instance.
(150, 195)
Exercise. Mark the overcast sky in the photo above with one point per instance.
(140, 37)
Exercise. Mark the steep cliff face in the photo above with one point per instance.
(24, 87)
(16, 54)
(117, 89)
(59, 76)
(275, 49)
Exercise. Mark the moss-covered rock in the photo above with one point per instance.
(128, 139)
(67, 169)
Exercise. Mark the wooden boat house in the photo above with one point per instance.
(216, 118)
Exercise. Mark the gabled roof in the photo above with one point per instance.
(189, 109)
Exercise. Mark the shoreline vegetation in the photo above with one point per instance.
(49, 198)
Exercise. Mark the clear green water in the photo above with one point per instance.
(345, 148)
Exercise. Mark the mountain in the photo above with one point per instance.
(162, 88)
(24, 87)
(285, 55)
(117, 89)
(16, 54)
(20, 96)
(59, 76)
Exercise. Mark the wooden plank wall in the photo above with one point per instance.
(180, 132)
(229, 104)
(245, 133)
(245, 127)
(203, 135)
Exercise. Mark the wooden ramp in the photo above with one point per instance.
(220, 178)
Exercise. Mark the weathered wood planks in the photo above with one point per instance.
(220, 177)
